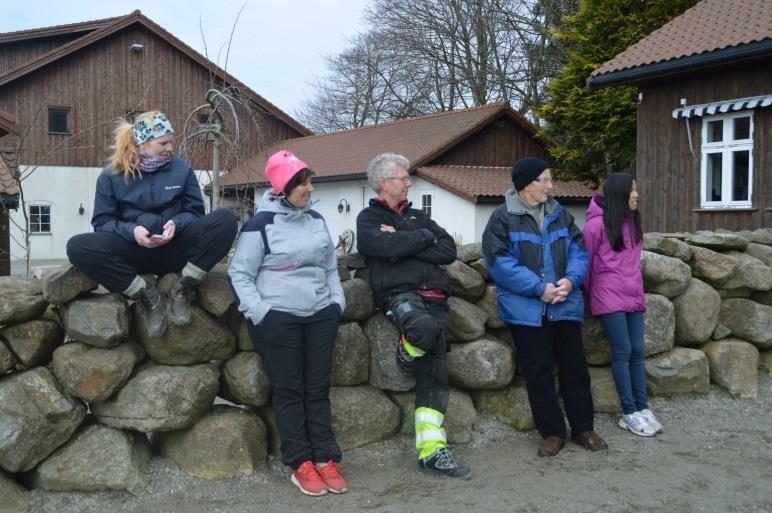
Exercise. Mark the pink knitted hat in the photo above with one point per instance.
(281, 167)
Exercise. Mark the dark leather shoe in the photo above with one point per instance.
(590, 440)
(551, 446)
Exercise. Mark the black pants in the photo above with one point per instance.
(423, 322)
(538, 349)
(297, 354)
(114, 262)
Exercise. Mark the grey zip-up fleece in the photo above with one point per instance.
(285, 260)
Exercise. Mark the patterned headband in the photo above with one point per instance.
(148, 129)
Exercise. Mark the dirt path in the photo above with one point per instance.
(715, 456)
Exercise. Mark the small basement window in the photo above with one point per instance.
(426, 203)
(58, 120)
(40, 218)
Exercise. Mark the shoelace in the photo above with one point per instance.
(445, 458)
(330, 470)
(307, 471)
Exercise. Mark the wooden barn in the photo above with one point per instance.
(68, 84)
(9, 192)
(704, 142)
(460, 167)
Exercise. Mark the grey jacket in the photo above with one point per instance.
(285, 260)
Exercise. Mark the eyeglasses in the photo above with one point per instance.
(546, 179)
(403, 179)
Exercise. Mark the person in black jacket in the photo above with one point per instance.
(149, 218)
(403, 249)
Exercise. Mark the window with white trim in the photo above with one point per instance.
(426, 203)
(726, 174)
(40, 218)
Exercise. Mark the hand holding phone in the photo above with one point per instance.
(156, 237)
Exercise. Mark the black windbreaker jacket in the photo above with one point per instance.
(408, 259)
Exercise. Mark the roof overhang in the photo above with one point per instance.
(722, 107)
(682, 65)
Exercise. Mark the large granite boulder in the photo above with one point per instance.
(161, 398)
(680, 371)
(696, 313)
(202, 450)
(510, 405)
(384, 373)
(94, 373)
(765, 298)
(734, 365)
(485, 363)
(460, 418)
(65, 283)
(244, 380)
(751, 273)
(35, 418)
(203, 340)
(718, 241)
(243, 340)
(352, 261)
(597, 348)
(96, 319)
(13, 496)
(466, 321)
(664, 275)
(714, 267)
(214, 293)
(765, 361)
(351, 356)
(604, 392)
(33, 342)
(97, 458)
(21, 299)
(7, 359)
(469, 252)
(464, 281)
(749, 320)
(359, 300)
(667, 246)
(660, 322)
(362, 415)
(489, 302)
(482, 268)
(269, 419)
(760, 251)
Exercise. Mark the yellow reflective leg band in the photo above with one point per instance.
(429, 435)
(411, 349)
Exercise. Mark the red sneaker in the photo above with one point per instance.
(308, 479)
(331, 476)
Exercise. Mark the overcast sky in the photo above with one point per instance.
(277, 50)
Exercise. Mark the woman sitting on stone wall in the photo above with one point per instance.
(149, 218)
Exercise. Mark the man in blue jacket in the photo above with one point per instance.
(536, 255)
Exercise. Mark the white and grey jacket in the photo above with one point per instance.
(285, 260)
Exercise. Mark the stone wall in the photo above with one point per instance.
(86, 397)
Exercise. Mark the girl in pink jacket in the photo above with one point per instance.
(614, 284)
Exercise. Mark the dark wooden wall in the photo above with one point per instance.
(103, 82)
(14, 53)
(501, 143)
(668, 175)
(5, 242)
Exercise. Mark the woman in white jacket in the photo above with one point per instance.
(285, 275)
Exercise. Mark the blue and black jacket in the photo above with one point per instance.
(522, 259)
(172, 192)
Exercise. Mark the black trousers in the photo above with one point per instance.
(423, 322)
(539, 349)
(297, 354)
(114, 262)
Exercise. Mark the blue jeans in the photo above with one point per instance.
(625, 331)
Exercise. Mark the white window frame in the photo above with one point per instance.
(430, 194)
(725, 147)
(50, 218)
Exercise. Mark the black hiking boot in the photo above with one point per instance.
(151, 303)
(441, 463)
(179, 301)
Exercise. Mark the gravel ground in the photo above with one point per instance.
(714, 456)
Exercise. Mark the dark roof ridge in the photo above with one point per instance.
(55, 30)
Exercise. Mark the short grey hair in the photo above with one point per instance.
(384, 166)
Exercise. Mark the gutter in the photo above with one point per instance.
(633, 75)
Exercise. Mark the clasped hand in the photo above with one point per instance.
(144, 239)
(557, 294)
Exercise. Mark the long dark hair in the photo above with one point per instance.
(616, 208)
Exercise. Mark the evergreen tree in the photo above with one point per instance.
(595, 129)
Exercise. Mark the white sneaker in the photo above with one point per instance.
(636, 424)
(648, 415)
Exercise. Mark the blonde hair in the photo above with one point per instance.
(125, 157)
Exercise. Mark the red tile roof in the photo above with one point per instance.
(481, 182)
(7, 123)
(7, 183)
(104, 28)
(346, 154)
(709, 26)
